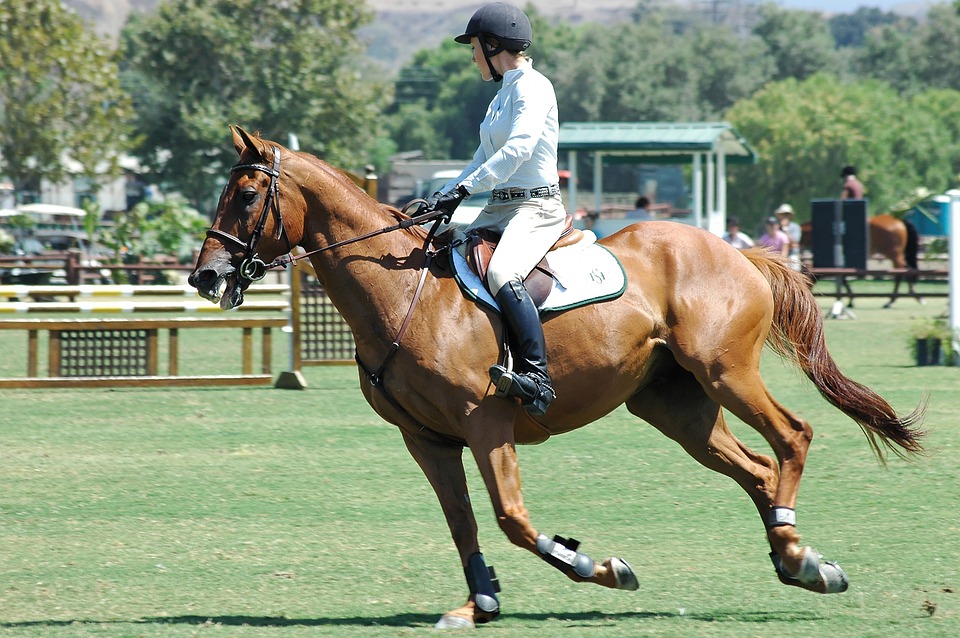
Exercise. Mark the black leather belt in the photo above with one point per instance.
(509, 194)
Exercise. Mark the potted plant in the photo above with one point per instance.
(931, 342)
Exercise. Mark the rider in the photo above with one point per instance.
(517, 158)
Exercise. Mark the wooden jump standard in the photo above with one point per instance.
(124, 352)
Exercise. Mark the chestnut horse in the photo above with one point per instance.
(892, 238)
(897, 240)
(682, 342)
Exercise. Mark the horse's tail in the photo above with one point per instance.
(797, 335)
(912, 248)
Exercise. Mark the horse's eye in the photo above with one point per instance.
(249, 196)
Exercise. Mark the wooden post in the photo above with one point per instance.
(247, 350)
(296, 284)
(152, 355)
(32, 342)
(293, 379)
(53, 356)
(173, 345)
(266, 350)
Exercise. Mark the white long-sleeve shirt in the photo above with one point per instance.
(518, 136)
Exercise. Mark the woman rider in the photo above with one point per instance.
(517, 158)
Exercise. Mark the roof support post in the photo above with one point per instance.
(697, 189)
(572, 184)
(711, 189)
(718, 215)
(597, 182)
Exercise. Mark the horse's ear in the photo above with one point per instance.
(241, 139)
(244, 141)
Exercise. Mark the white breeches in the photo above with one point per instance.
(529, 228)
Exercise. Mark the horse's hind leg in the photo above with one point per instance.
(679, 406)
(741, 390)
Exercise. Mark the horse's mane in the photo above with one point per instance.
(343, 177)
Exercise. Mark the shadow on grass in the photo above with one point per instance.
(417, 620)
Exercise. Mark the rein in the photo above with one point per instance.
(284, 260)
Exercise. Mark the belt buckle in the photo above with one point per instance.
(518, 193)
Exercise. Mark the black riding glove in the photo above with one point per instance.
(448, 202)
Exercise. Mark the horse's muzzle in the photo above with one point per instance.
(218, 283)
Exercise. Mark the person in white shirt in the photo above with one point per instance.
(517, 159)
(793, 230)
(735, 237)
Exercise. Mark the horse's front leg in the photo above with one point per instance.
(496, 458)
(442, 463)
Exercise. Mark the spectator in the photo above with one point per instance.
(785, 216)
(735, 237)
(775, 239)
(640, 213)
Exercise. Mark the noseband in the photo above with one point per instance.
(252, 267)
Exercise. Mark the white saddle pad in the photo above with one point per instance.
(585, 272)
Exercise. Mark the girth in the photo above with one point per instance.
(482, 242)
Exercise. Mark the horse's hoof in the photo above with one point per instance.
(834, 578)
(449, 621)
(623, 572)
(815, 574)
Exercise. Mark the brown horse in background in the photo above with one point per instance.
(897, 240)
(683, 342)
(891, 238)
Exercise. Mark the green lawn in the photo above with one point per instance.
(262, 512)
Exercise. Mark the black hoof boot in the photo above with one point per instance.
(534, 391)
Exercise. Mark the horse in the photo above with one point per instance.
(892, 238)
(682, 342)
(897, 240)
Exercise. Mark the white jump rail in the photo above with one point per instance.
(95, 291)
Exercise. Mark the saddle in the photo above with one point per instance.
(482, 242)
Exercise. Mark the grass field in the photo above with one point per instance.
(262, 512)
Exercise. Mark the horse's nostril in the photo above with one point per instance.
(201, 278)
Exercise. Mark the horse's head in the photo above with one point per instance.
(248, 229)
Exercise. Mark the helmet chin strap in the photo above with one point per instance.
(488, 56)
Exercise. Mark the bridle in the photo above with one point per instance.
(252, 268)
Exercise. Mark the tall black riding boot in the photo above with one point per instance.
(529, 380)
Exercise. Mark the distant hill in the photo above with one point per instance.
(402, 27)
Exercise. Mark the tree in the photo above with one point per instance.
(800, 42)
(913, 57)
(277, 66)
(684, 72)
(850, 29)
(60, 96)
(805, 132)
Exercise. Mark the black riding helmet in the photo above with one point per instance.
(505, 22)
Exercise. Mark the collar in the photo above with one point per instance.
(513, 75)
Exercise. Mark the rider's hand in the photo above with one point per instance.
(432, 201)
(448, 202)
